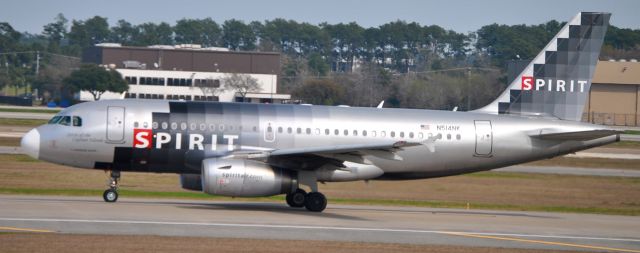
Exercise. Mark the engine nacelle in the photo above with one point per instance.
(244, 178)
(191, 182)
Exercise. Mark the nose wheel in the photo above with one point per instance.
(111, 195)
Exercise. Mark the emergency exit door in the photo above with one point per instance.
(115, 124)
(484, 138)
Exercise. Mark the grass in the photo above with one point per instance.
(624, 144)
(29, 110)
(9, 141)
(634, 132)
(20, 174)
(588, 163)
(348, 201)
(22, 122)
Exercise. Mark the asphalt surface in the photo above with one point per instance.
(91, 215)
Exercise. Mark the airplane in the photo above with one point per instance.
(253, 150)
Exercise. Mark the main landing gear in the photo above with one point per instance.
(111, 195)
(313, 201)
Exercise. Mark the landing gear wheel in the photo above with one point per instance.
(110, 195)
(297, 198)
(315, 202)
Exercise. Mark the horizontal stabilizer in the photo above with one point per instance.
(551, 134)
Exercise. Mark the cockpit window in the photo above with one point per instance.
(54, 120)
(65, 121)
(77, 121)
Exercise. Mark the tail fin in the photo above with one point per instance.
(557, 82)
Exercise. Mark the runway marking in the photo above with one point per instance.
(26, 230)
(363, 229)
(541, 242)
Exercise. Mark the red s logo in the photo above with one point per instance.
(142, 138)
(527, 83)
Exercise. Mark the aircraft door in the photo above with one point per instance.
(269, 133)
(484, 138)
(115, 124)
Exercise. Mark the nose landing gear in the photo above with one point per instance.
(111, 195)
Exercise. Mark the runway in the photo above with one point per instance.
(511, 229)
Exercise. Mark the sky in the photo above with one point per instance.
(459, 15)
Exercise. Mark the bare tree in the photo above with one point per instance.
(241, 83)
(208, 87)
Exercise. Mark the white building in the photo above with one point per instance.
(187, 72)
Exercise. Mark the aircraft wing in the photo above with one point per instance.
(310, 158)
(553, 134)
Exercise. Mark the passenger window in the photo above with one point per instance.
(183, 126)
(154, 125)
(393, 134)
(212, 127)
(174, 125)
(374, 133)
(383, 134)
(77, 121)
(326, 131)
(309, 130)
(346, 132)
(203, 126)
(336, 132)
(279, 129)
(421, 135)
(135, 124)
(355, 132)
(411, 135)
(448, 136)
(364, 132)
(165, 125)
(401, 134)
(458, 137)
(289, 130)
(65, 121)
(299, 130)
(55, 119)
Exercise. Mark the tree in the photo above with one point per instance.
(55, 32)
(320, 92)
(208, 87)
(241, 83)
(197, 31)
(124, 33)
(154, 34)
(96, 80)
(89, 32)
(238, 35)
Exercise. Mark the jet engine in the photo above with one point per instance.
(245, 178)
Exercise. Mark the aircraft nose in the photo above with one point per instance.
(30, 143)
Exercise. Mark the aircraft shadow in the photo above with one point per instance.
(267, 207)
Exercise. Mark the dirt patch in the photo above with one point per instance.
(27, 242)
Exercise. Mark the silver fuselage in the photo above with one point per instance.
(462, 142)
